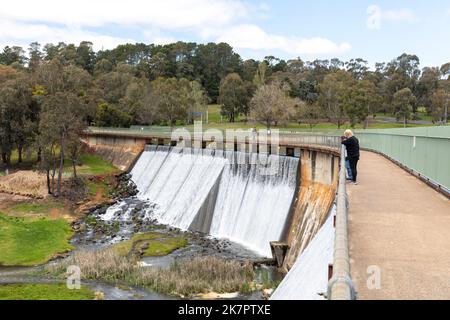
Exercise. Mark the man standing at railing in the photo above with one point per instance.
(352, 146)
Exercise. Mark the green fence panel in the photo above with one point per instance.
(424, 150)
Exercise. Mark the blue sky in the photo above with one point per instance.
(374, 30)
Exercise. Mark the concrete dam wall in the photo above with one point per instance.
(207, 190)
(225, 194)
(219, 193)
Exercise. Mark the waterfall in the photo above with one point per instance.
(178, 181)
(251, 206)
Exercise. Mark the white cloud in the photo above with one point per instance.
(248, 36)
(167, 14)
(156, 21)
(377, 15)
(22, 34)
(399, 15)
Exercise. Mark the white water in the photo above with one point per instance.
(177, 181)
(251, 208)
(308, 278)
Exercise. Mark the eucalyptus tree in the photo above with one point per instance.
(334, 95)
(271, 105)
(233, 96)
(403, 103)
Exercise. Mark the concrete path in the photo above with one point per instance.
(401, 226)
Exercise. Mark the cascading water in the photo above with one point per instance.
(251, 203)
(252, 207)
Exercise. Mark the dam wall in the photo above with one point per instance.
(122, 152)
(318, 178)
(201, 191)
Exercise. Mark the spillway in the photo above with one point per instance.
(308, 278)
(239, 198)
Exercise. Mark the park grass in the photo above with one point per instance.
(32, 241)
(151, 244)
(294, 127)
(91, 164)
(44, 292)
(41, 208)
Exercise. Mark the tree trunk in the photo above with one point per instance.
(74, 165)
(446, 113)
(19, 150)
(39, 155)
(48, 182)
(61, 167)
(53, 174)
(404, 121)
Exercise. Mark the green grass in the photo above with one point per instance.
(90, 164)
(101, 186)
(162, 247)
(158, 244)
(44, 292)
(29, 241)
(38, 208)
(299, 127)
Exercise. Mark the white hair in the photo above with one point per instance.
(348, 133)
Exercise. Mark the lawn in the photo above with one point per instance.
(44, 292)
(43, 208)
(90, 164)
(152, 244)
(32, 241)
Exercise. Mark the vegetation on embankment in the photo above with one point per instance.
(32, 241)
(185, 278)
(34, 230)
(44, 292)
(152, 244)
(91, 164)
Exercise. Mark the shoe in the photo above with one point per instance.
(355, 183)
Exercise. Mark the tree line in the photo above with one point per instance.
(50, 93)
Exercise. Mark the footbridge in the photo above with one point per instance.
(392, 230)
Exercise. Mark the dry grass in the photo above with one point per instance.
(185, 278)
(25, 183)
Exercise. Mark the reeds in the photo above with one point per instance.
(184, 278)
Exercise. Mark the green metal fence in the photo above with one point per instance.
(424, 150)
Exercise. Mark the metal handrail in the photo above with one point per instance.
(314, 139)
(340, 286)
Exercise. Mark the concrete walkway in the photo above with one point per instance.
(400, 225)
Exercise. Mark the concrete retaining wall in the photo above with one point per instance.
(318, 178)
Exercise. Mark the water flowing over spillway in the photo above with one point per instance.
(239, 200)
(252, 208)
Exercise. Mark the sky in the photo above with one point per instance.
(376, 30)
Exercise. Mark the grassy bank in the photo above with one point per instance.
(151, 244)
(43, 292)
(32, 241)
(185, 278)
(91, 164)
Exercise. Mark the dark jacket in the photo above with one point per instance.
(352, 145)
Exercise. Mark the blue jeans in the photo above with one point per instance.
(349, 170)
